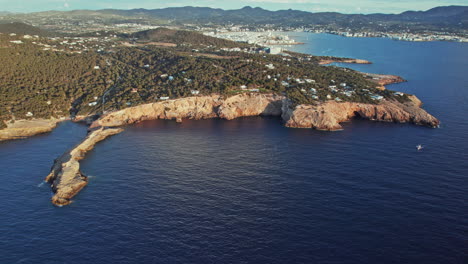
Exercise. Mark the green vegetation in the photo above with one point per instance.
(38, 82)
(22, 28)
(181, 37)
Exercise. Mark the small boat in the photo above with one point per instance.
(419, 147)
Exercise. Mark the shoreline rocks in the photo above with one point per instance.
(324, 116)
(353, 61)
(383, 79)
(328, 116)
(197, 107)
(65, 177)
(26, 128)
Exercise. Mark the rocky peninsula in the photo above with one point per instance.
(329, 115)
(26, 128)
(65, 177)
(343, 60)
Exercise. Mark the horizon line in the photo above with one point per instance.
(218, 8)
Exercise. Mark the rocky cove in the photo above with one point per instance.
(67, 180)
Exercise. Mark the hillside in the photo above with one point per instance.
(22, 29)
(180, 37)
(449, 16)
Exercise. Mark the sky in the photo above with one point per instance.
(342, 6)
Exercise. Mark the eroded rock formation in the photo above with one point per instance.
(324, 116)
(200, 107)
(329, 115)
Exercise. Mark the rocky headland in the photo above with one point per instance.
(323, 116)
(197, 107)
(341, 60)
(383, 79)
(26, 128)
(329, 115)
(65, 177)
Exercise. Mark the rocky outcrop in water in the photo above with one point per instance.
(26, 128)
(65, 177)
(329, 115)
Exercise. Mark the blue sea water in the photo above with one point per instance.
(252, 191)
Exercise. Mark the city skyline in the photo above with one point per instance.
(342, 6)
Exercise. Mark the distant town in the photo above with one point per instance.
(255, 25)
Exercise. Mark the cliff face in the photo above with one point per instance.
(65, 176)
(325, 116)
(201, 107)
(329, 115)
(26, 128)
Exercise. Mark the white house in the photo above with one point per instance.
(376, 97)
(195, 92)
(164, 98)
(29, 114)
(92, 104)
(97, 67)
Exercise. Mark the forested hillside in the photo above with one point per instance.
(40, 78)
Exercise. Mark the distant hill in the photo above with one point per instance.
(453, 16)
(22, 29)
(180, 37)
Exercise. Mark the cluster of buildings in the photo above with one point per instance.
(404, 36)
(67, 44)
(251, 50)
(266, 39)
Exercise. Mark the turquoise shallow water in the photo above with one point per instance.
(252, 191)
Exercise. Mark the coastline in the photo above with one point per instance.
(26, 128)
(67, 180)
(338, 60)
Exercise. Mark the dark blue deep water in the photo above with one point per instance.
(252, 191)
